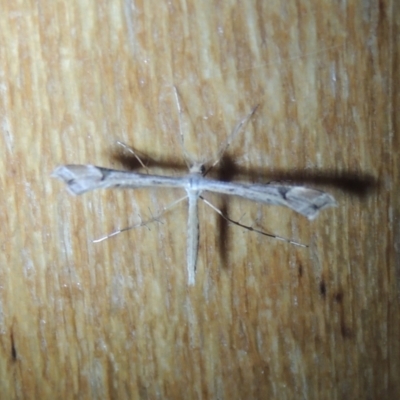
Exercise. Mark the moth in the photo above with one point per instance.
(303, 200)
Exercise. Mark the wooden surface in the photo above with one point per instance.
(266, 320)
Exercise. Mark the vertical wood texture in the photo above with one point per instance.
(266, 320)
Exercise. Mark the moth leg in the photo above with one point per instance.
(227, 142)
(250, 228)
(130, 150)
(143, 223)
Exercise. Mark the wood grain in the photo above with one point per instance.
(266, 320)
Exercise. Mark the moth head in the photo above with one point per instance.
(197, 168)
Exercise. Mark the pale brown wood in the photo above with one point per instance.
(266, 320)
